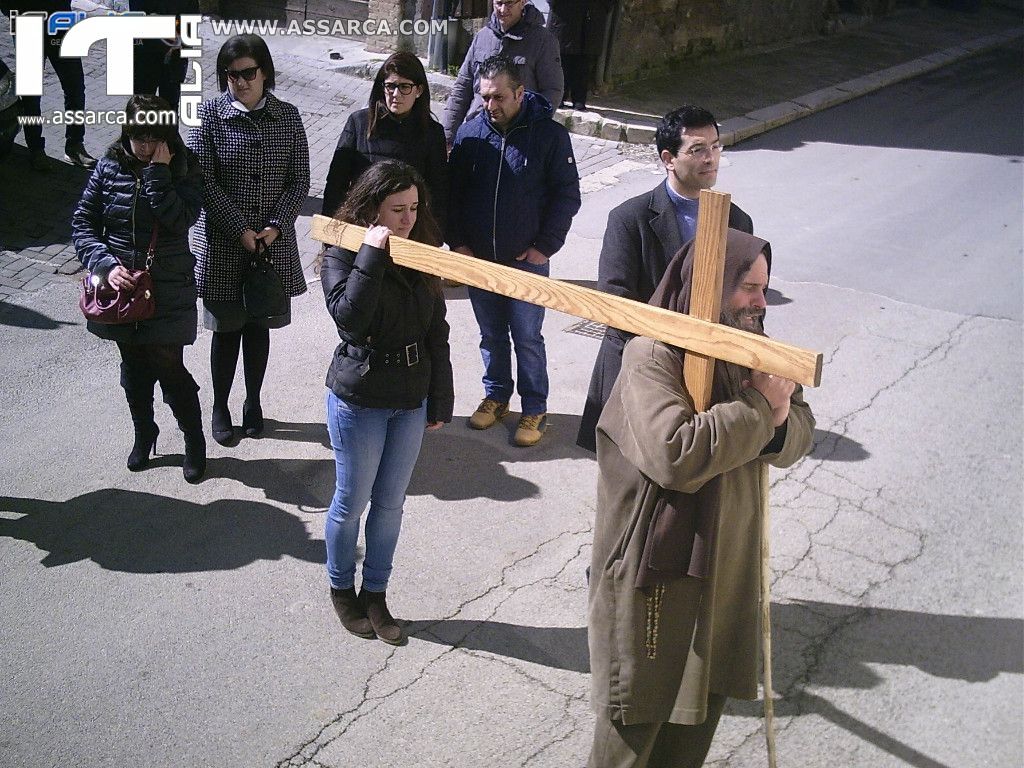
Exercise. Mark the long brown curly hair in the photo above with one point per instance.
(373, 187)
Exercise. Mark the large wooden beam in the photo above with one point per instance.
(701, 336)
(706, 288)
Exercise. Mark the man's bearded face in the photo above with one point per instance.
(746, 306)
(751, 320)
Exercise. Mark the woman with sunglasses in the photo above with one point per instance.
(135, 212)
(390, 378)
(397, 125)
(255, 159)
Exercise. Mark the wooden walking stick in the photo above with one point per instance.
(766, 621)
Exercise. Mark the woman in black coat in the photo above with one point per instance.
(390, 378)
(145, 193)
(255, 158)
(397, 125)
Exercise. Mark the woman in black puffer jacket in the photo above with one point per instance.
(391, 377)
(148, 188)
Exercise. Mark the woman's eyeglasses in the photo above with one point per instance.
(403, 88)
(248, 74)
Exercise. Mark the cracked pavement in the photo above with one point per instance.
(147, 622)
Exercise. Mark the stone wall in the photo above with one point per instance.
(653, 35)
(288, 10)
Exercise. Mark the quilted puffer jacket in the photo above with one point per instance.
(123, 201)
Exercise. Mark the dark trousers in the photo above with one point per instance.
(72, 81)
(576, 75)
(655, 745)
(159, 71)
(142, 366)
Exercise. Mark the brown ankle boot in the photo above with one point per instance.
(384, 624)
(350, 611)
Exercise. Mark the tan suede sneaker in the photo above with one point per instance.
(530, 429)
(487, 413)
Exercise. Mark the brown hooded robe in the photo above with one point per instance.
(656, 652)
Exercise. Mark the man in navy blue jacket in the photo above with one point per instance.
(514, 191)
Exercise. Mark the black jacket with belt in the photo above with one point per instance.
(394, 336)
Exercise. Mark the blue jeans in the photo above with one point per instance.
(375, 450)
(498, 317)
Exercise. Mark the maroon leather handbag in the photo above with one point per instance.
(101, 303)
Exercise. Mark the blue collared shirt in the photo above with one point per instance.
(686, 214)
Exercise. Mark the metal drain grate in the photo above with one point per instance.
(588, 328)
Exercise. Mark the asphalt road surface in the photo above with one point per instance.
(146, 622)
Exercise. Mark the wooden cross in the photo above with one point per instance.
(698, 373)
(699, 333)
(703, 336)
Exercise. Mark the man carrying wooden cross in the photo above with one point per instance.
(675, 574)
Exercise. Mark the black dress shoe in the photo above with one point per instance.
(221, 427)
(76, 155)
(252, 419)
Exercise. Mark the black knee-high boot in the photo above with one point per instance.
(223, 359)
(255, 352)
(183, 398)
(138, 381)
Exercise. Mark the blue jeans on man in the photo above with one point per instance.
(500, 318)
(375, 451)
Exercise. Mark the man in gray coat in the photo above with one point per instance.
(646, 231)
(515, 29)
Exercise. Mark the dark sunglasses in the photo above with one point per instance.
(403, 88)
(248, 74)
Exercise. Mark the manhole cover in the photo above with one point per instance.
(588, 328)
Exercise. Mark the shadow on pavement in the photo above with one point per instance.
(460, 463)
(554, 647)
(775, 298)
(305, 483)
(39, 213)
(140, 532)
(23, 317)
(301, 432)
(828, 446)
(969, 648)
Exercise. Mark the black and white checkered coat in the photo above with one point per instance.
(256, 174)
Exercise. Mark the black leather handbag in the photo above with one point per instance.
(263, 294)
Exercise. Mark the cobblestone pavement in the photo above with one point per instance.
(36, 209)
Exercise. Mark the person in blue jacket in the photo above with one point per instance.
(514, 192)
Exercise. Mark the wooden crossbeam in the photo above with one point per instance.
(701, 336)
